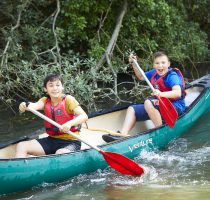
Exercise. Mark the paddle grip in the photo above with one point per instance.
(59, 126)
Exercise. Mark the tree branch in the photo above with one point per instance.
(4, 54)
(55, 35)
(115, 34)
(108, 53)
(103, 20)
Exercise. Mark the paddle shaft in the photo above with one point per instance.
(59, 126)
(167, 109)
(147, 80)
(117, 161)
(143, 74)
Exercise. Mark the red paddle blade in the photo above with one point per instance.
(168, 111)
(122, 164)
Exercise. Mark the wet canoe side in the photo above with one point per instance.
(21, 174)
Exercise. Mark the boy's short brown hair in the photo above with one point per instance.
(158, 54)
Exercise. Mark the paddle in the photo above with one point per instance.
(167, 109)
(105, 130)
(117, 161)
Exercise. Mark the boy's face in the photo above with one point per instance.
(54, 88)
(161, 64)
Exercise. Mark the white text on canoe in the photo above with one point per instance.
(140, 144)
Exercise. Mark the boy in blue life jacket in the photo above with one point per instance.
(167, 82)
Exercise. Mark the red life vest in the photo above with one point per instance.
(58, 114)
(160, 84)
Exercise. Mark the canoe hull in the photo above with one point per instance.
(21, 174)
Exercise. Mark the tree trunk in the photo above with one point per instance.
(108, 53)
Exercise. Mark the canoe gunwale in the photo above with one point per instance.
(14, 172)
(106, 111)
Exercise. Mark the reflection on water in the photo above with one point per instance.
(181, 172)
(15, 125)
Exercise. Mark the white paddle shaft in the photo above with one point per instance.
(59, 126)
(143, 74)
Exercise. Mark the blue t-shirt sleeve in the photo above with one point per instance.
(149, 73)
(173, 79)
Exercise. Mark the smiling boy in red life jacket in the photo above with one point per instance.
(65, 110)
(167, 82)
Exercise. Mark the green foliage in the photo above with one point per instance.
(155, 25)
(29, 49)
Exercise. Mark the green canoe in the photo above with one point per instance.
(22, 174)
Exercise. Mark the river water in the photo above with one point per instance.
(179, 172)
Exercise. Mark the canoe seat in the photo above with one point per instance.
(93, 137)
(192, 94)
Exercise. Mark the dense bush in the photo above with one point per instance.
(70, 36)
